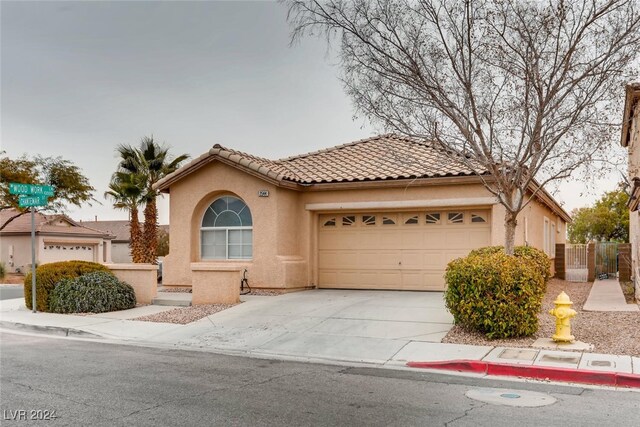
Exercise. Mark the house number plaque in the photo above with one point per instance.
(263, 193)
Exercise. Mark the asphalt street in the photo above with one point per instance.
(11, 291)
(87, 383)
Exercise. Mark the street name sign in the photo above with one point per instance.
(30, 189)
(30, 201)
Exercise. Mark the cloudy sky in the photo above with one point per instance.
(79, 78)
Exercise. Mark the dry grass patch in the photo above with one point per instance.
(12, 279)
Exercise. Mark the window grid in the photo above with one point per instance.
(226, 231)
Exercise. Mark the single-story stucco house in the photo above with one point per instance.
(120, 251)
(58, 238)
(385, 212)
(631, 140)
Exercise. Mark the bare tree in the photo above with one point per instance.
(520, 91)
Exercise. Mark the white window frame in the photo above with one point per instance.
(226, 230)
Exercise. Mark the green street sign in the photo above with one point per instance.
(30, 189)
(29, 201)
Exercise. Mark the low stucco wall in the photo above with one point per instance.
(142, 277)
(215, 284)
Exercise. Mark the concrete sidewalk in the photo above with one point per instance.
(606, 295)
(333, 329)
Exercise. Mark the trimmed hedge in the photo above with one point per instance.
(496, 294)
(47, 275)
(538, 257)
(96, 292)
(3, 270)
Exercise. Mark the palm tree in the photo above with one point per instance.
(124, 190)
(153, 162)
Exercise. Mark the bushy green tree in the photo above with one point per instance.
(71, 186)
(606, 221)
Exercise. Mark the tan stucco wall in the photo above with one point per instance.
(120, 253)
(189, 199)
(21, 252)
(285, 223)
(634, 217)
(141, 277)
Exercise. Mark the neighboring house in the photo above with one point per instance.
(631, 140)
(380, 213)
(120, 250)
(58, 238)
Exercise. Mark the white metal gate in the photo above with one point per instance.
(576, 263)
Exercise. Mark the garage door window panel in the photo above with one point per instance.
(348, 221)
(388, 220)
(227, 230)
(368, 219)
(411, 220)
(455, 218)
(478, 218)
(330, 222)
(433, 218)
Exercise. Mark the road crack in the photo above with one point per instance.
(466, 413)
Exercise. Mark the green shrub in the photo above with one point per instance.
(3, 270)
(96, 292)
(538, 257)
(47, 275)
(495, 294)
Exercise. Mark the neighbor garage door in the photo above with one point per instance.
(408, 250)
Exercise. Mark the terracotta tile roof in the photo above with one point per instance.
(378, 158)
(384, 157)
(118, 228)
(46, 224)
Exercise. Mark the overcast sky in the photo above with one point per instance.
(79, 78)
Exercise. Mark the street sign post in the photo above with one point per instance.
(30, 196)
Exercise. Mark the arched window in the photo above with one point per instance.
(227, 230)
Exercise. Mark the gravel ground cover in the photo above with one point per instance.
(182, 290)
(610, 332)
(265, 292)
(184, 315)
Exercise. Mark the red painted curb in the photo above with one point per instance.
(582, 376)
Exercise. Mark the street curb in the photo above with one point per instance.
(50, 330)
(583, 376)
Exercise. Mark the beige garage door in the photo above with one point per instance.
(408, 250)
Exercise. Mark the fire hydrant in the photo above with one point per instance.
(563, 314)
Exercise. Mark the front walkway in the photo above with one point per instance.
(606, 295)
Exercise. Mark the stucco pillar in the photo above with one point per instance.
(624, 262)
(559, 263)
(107, 251)
(591, 262)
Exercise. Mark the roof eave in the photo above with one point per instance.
(544, 196)
(231, 159)
(632, 93)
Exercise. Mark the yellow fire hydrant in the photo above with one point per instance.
(563, 314)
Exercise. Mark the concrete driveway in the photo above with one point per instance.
(370, 326)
